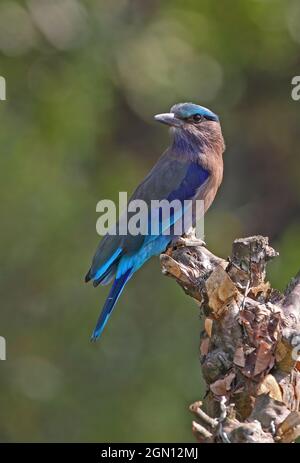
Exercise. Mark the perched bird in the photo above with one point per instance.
(190, 169)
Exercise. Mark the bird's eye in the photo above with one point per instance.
(197, 118)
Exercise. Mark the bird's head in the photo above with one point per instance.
(194, 127)
(187, 116)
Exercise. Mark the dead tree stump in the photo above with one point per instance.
(249, 343)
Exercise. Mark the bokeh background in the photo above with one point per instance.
(84, 79)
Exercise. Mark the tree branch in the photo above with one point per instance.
(248, 345)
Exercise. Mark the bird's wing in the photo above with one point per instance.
(171, 178)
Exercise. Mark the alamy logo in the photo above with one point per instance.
(296, 88)
(2, 348)
(153, 218)
(2, 88)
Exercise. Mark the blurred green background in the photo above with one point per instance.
(84, 79)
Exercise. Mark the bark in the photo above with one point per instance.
(248, 344)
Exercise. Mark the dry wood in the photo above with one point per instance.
(248, 345)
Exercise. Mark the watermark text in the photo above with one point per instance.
(2, 88)
(150, 218)
(296, 88)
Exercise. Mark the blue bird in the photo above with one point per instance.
(190, 169)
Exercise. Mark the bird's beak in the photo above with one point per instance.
(169, 119)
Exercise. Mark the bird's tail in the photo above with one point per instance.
(110, 302)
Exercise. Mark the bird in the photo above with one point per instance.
(191, 168)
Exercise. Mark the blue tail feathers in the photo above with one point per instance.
(110, 302)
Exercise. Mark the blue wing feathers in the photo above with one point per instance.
(107, 277)
(195, 176)
(126, 260)
(101, 271)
